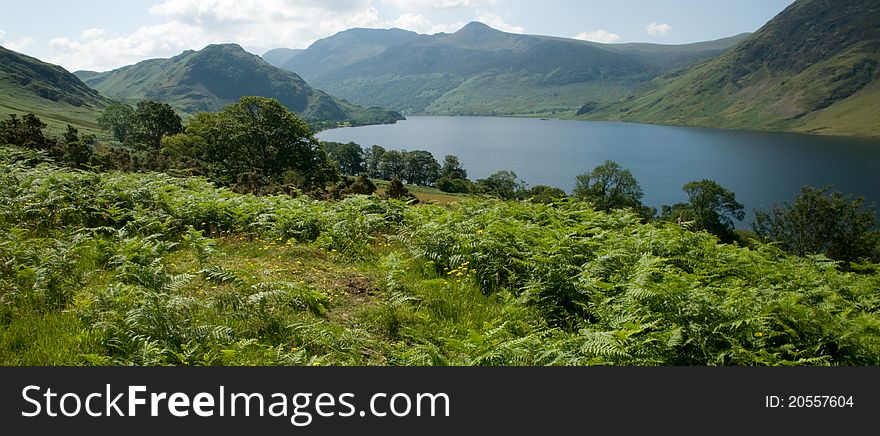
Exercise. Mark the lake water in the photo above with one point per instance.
(761, 168)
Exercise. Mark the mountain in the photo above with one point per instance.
(280, 56)
(814, 68)
(218, 75)
(28, 85)
(481, 70)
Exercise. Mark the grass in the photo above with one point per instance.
(56, 115)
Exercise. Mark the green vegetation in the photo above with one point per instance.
(482, 71)
(219, 75)
(813, 68)
(148, 269)
(28, 85)
(141, 128)
(710, 207)
(609, 187)
(824, 222)
(255, 144)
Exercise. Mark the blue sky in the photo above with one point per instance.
(101, 35)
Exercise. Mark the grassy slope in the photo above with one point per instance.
(28, 85)
(771, 82)
(147, 270)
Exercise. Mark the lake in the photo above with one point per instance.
(761, 168)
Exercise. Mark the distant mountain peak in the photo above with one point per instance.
(223, 47)
(221, 74)
(477, 27)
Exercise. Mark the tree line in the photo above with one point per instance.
(819, 221)
(258, 146)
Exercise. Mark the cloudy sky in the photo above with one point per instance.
(106, 34)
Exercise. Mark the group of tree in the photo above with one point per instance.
(257, 145)
(142, 127)
(818, 222)
(417, 167)
(821, 221)
(253, 145)
(27, 131)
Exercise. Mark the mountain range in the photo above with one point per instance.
(814, 68)
(208, 79)
(483, 71)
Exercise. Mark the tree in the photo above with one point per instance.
(398, 191)
(455, 186)
(502, 184)
(362, 186)
(452, 168)
(373, 159)
(152, 122)
(609, 187)
(25, 132)
(544, 194)
(392, 165)
(255, 137)
(348, 157)
(420, 168)
(711, 207)
(119, 119)
(820, 221)
(76, 151)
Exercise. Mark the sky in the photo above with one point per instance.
(105, 34)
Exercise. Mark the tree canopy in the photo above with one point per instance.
(349, 157)
(608, 187)
(143, 127)
(501, 184)
(711, 207)
(821, 221)
(256, 137)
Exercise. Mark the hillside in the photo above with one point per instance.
(146, 269)
(280, 56)
(218, 75)
(813, 68)
(482, 71)
(28, 85)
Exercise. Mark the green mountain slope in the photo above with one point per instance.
(280, 56)
(28, 85)
(218, 75)
(813, 68)
(482, 71)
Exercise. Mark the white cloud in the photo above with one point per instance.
(498, 22)
(20, 45)
(2, 36)
(107, 53)
(64, 44)
(93, 33)
(423, 5)
(655, 29)
(421, 24)
(258, 25)
(602, 36)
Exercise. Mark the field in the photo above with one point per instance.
(148, 269)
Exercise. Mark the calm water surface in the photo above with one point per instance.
(761, 168)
